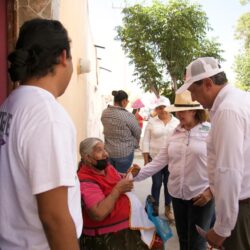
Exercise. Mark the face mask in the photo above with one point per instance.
(101, 164)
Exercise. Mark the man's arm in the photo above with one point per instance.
(228, 141)
(56, 219)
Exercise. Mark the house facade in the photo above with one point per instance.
(82, 99)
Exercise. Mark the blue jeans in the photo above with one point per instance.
(186, 217)
(122, 164)
(158, 179)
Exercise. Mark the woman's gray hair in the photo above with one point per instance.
(86, 146)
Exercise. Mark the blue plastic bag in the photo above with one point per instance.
(162, 227)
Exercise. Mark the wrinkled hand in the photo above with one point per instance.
(134, 170)
(214, 239)
(124, 186)
(202, 199)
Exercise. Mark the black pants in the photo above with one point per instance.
(240, 236)
(186, 217)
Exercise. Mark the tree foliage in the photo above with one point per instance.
(243, 29)
(242, 70)
(162, 39)
(243, 2)
(242, 62)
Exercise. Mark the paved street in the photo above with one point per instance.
(142, 189)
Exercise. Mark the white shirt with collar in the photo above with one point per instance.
(229, 155)
(156, 134)
(186, 156)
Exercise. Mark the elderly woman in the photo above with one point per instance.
(186, 155)
(107, 211)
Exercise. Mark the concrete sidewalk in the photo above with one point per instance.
(142, 190)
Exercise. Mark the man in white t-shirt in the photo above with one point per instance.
(39, 190)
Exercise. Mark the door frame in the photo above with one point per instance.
(8, 31)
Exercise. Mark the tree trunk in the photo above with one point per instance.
(174, 83)
(155, 90)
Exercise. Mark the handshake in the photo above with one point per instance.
(132, 172)
(126, 183)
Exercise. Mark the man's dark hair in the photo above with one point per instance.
(38, 47)
(218, 79)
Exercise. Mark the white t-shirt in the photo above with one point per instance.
(37, 154)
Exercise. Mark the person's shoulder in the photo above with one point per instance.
(39, 101)
(154, 119)
(127, 114)
(107, 109)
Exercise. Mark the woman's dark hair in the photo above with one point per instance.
(135, 110)
(119, 96)
(38, 47)
(201, 115)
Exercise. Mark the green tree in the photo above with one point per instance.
(242, 62)
(242, 70)
(161, 39)
(243, 2)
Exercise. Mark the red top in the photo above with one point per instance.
(118, 218)
(139, 118)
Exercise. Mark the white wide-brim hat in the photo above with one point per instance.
(183, 101)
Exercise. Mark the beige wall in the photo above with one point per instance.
(82, 98)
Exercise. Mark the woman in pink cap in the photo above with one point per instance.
(137, 105)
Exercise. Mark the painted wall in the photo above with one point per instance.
(82, 98)
(3, 51)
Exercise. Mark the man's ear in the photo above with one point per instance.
(89, 159)
(208, 83)
(124, 102)
(63, 58)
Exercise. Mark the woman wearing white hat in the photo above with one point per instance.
(186, 155)
(158, 129)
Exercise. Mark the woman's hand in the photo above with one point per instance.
(147, 158)
(123, 186)
(134, 170)
(202, 199)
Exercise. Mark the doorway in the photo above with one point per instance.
(8, 37)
